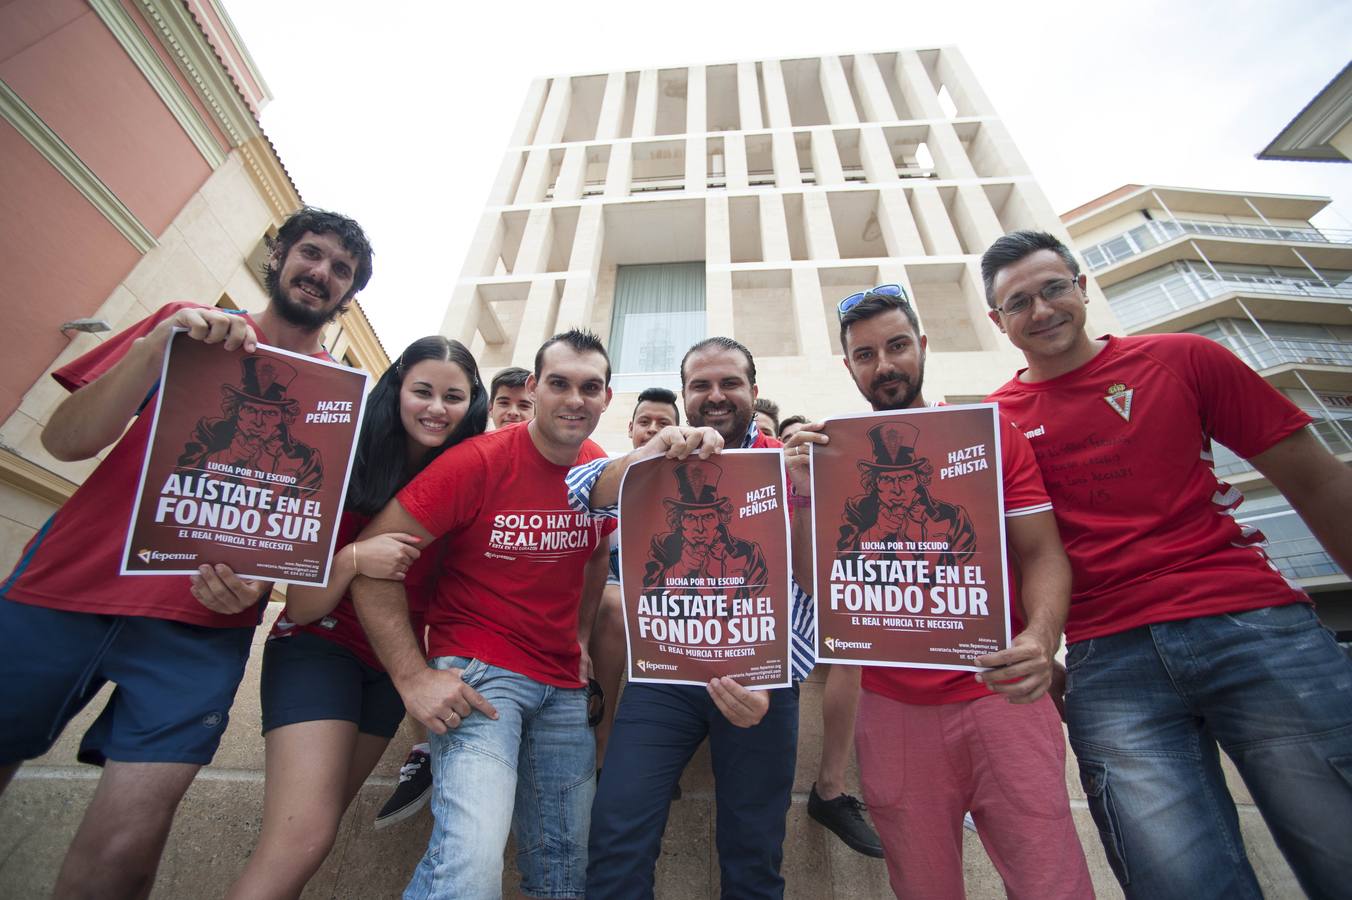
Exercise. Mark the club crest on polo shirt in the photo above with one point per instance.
(1119, 398)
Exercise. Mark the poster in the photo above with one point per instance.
(248, 464)
(704, 569)
(909, 538)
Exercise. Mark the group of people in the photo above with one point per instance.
(473, 588)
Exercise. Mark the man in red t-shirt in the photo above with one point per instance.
(505, 696)
(509, 403)
(1182, 632)
(934, 743)
(175, 647)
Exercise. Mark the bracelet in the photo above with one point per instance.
(356, 570)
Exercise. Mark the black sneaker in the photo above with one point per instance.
(412, 791)
(845, 816)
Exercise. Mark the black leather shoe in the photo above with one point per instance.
(844, 815)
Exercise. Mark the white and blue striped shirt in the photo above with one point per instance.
(802, 639)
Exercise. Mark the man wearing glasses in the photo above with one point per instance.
(1182, 634)
(935, 743)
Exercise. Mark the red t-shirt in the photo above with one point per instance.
(508, 588)
(342, 625)
(1124, 443)
(73, 561)
(1024, 496)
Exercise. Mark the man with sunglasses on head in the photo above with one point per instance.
(1182, 632)
(935, 743)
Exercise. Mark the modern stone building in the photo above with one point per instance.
(1251, 272)
(1322, 130)
(662, 206)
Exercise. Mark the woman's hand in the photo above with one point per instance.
(386, 556)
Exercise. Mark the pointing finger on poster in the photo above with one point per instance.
(739, 706)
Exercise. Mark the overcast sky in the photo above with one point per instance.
(398, 113)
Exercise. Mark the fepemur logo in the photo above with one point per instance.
(147, 556)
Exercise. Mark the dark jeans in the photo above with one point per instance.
(657, 730)
(1147, 709)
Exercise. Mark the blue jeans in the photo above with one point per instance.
(1146, 710)
(533, 769)
(657, 729)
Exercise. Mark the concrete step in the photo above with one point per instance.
(218, 823)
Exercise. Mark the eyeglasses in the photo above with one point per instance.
(889, 290)
(1050, 293)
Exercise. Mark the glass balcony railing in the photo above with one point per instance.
(1301, 558)
(1160, 231)
(1174, 291)
(1289, 541)
(1266, 353)
(1226, 462)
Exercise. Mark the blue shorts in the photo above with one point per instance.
(175, 684)
(613, 573)
(309, 679)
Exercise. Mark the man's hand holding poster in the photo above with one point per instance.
(248, 464)
(908, 535)
(704, 569)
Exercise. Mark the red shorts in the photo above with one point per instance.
(922, 767)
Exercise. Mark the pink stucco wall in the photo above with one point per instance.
(133, 10)
(59, 259)
(25, 22)
(80, 82)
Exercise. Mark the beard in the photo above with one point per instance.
(904, 400)
(298, 314)
(733, 432)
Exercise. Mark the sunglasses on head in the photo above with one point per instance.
(889, 290)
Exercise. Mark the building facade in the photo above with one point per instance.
(1322, 130)
(135, 173)
(662, 206)
(1252, 273)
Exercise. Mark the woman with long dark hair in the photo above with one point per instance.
(329, 708)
